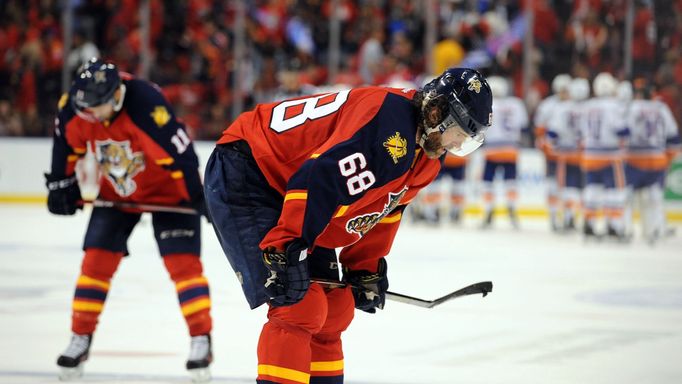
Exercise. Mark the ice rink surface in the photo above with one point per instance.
(562, 311)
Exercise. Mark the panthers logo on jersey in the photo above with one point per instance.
(119, 164)
(363, 223)
(474, 85)
(396, 147)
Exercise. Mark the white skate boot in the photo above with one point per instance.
(200, 357)
(71, 361)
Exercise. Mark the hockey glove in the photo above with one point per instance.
(369, 289)
(63, 194)
(289, 278)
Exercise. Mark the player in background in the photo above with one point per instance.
(604, 136)
(563, 132)
(654, 142)
(432, 199)
(144, 156)
(433, 196)
(502, 143)
(542, 114)
(291, 182)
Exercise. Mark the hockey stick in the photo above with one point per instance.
(483, 288)
(143, 207)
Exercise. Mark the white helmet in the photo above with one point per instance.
(604, 85)
(579, 89)
(561, 82)
(624, 91)
(499, 86)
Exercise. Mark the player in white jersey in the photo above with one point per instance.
(563, 133)
(542, 115)
(501, 147)
(654, 142)
(604, 136)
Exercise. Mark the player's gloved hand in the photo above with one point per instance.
(369, 289)
(63, 194)
(289, 278)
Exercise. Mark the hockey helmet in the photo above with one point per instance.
(561, 82)
(499, 86)
(579, 89)
(604, 85)
(465, 100)
(95, 84)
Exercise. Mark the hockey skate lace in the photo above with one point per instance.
(79, 344)
(199, 348)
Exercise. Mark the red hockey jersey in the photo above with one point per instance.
(143, 152)
(346, 164)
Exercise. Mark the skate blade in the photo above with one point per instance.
(69, 374)
(200, 375)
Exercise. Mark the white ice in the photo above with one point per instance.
(562, 311)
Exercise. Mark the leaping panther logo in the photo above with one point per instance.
(119, 164)
(363, 223)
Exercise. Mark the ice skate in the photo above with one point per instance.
(514, 218)
(200, 357)
(589, 233)
(488, 221)
(455, 216)
(618, 236)
(71, 361)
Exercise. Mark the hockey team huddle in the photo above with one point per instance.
(292, 182)
(607, 153)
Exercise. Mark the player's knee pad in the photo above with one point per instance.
(100, 264)
(180, 266)
(308, 315)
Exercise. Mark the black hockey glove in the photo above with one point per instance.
(289, 278)
(369, 289)
(63, 194)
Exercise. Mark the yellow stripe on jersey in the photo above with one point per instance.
(314, 155)
(72, 158)
(326, 366)
(80, 151)
(177, 175)
(85, 280)
(165, 161)
(392, 218)
(296, 196)
(341, 211)
(283, 373)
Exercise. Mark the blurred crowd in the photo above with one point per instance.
(287, 48)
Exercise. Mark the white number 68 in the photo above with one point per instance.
(357, 181)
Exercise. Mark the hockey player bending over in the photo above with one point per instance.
(290, 182)
(145, 157)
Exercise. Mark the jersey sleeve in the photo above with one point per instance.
(170, 144)
(64, 155)
(341, 174)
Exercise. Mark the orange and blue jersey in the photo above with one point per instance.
(345, 163)
(143, 152)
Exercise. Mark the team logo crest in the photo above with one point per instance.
(363, 223)
(474, 85)
(160, 115)
(396, 147)
(100, 77)
(119, 164)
